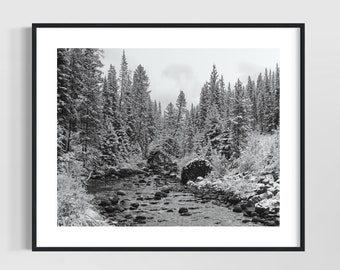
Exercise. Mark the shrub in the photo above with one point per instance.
(261, 152)
(74, 204)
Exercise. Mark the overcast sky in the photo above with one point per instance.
(172, 70)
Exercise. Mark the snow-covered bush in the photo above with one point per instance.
(74, 204)
(261, 152)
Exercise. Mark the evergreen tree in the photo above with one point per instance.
(240, 123)
(204, 105)
(169, 119)
(142, 109)
(260, 101)
(214, 127)
(268, 118)
(181, 110)
(65, 104)
(107, 103)
(124, 80)
(277, 98)
(109, 146)
(112, 84)
(251, 94)
(215, 89)
(151, 124)
(160, 110)
(223, 98)
(89, 105)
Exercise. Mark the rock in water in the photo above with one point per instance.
(184, 212)
(237, 209)
(114, 199)
(195, 168)
(134, 205)
(121, 193)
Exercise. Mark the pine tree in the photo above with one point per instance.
(181, 110)
(240, 124)
(142, 109)
(65, 104)
(109, 146)
(107, 103)
(277, 98)
(268, 118)
(223, 98)
(260, 101)
(169, 119)
(112, 84)
(124, 80)
(251, 94)
(214, 127)
(89, 105)
(229, 98)
(215, 89)
(204, 105)
(151, 124)
(160, 110)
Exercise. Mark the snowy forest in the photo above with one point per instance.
(121, 154)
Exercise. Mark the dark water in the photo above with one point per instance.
(161, 211)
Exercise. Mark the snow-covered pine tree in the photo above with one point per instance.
(160, 110)
(251, 94)
(260, 102)
(65, 103)
(229, 98)
(89, 105)
(268, 118)
(107, 102)
(181, 110)
(214, 89)
(169, 119)
(110, 146)
(240, 124)
(214, 127)
(277, 98)
(190, 131)
(223, 98)
(151, 125)
(123, 143)
(204, 105)
(112, 84)
(142, 108)
(124, 82)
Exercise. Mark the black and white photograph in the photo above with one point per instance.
(168, 137)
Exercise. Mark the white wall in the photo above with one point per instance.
(322, 128)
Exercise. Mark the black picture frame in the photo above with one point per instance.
(300, 26)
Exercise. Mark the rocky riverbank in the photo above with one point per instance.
(257, 197)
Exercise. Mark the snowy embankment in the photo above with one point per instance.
(250, 184)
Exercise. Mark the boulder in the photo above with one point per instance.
(114, 199)
(166, 189)
(121, 193)
(160, 161)
(195, 168)
(134, 205)
(183, 210)
(237, 209)
(159, 195)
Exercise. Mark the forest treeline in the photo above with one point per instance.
(108, 118)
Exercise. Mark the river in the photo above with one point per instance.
(138, 205)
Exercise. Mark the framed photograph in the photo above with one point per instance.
(168, 137)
